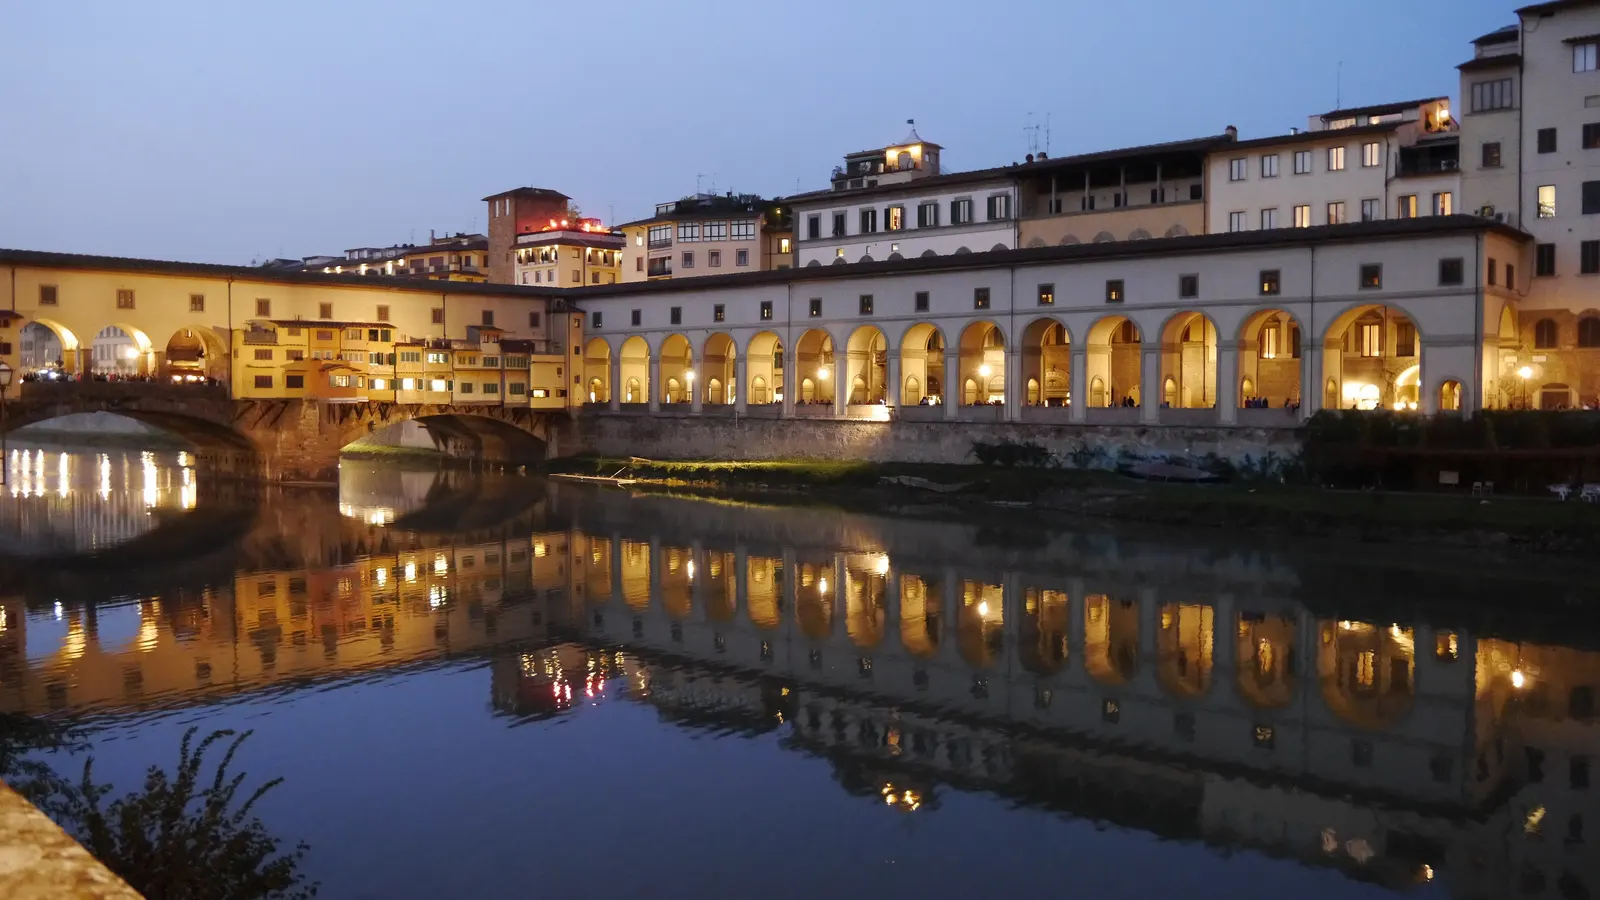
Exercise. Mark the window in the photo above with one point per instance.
(1547, 201)
(688, 232)
(263, 381)
(1490, 95)
(1302, 162)
(438, 358)
(1405, 339)
(1269, 165)
(1589, 258)
(675, 315)
(596, 319)
(1591, 198)
(124, 299)
(961, 211)
(869, 221)
(47, 295)
(839, 229)
(999, 207)
(1336, 213)
(1236, 220)
(816, 307)
(921, 301)
(1335, 159)
(813, 227)
(743, 231)
(980, 298)
(1269, 219)
(490, 387)
(865, 302)
(1544, 260)
(741, 257)
(197, 303)
(1302, 216)
(1371, 276)
(1492, 265)
(466, 387)
(1371, 155)
(714, 231)
(894, 218)
(1114, 291)
(1544, 334)
(1511, 276)
(533, 318)
(1583, 57)
(713, 259)
(289, 381)
(1444, 203)
(928, 215)
(1407, 207)
(1589, 332)
(488, 318)
(1237, 168)
(263, 355)
(1547, 140)
(1369, 210)
(411, 356)
(324, 310)
(688, 259)
(1591, 135)
(1372, 340)
(1451, 271)
(1491, 154)
(1047, 295)
(719, 312)
(766, 311)
(517, 388)
(1271, 282)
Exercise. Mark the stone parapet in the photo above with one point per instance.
(39, 861)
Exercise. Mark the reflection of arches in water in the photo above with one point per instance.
(814, 599)
(721, 590)
(866, 605)
(763, 593)
(636, 574)
(920, 615)
(1267, 663)
(597, 587)
(980, 623)
(1185, 648)
(1046, 622)
(677, 577)
(1110, 639)
(1366, 671)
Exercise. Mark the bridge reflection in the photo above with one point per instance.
(1192, 694)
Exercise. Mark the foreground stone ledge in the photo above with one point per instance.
(39, 861)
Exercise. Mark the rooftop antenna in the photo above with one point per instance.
(1338, 86)
(697, 177)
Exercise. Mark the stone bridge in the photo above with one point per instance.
(287, 440)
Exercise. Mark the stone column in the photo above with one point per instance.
(1150, 384)
(1016, 386)
(738, 387)
(1228, 382)
(655, 386)
(952, 383)
(891, 393)
(790, 381)
(1311, 380)
(696, 385)
(614, 383)
(841, 382)
(1078, 382)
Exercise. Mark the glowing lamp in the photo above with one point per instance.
(1525, 372)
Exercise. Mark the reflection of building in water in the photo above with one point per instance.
(70, 503)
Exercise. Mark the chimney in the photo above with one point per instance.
(1232, 132)
(431, 238)
(1030, 158)
(1294, 129)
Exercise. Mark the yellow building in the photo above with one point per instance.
(569, 255)
(708, 234)
(460, 257)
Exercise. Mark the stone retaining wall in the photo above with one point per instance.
(689, 437)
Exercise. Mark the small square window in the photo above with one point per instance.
(1589, 258)
(1188, 287)
(197, 303)
(1114, 293)
(1547, 140)
(1371, 276)
(816, 307)
(1271, 282)
(675, 315)
(595, 319)
(1491, 154)
(125, 299)
(865, 302)
(1047, 295)
(1451, 271)
(533, 319)
(324, 310)
(1544, 261)
(47, 295)
(922, 301)
(741, 257)
(383, 313)
(438, 315)
(980, 298)
(719, 313)
(714, 258)
(766, 310)
(636, 317)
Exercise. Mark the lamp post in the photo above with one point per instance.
(6, 374)
(1525, 373)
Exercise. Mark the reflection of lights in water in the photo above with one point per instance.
(2, 618)
(1427, 873)
(58, 610)
(983, 607)
(72, 646)
(380, 517)
(690, 569)
(440, 565)
(149, 633)
(1518, 680)
(437, 596)
(147, 465)
(822, 585)
(539, 549)
(105, 476)
(183, 458)
(411, 573)
(882, 565)
(381, 576)
(63, 470)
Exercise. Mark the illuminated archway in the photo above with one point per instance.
(194, 354)
(597, 371)
(1372, 356)
(1047, 362)
(866, 598)
(718, 369)
(983, 364)
(764, 591)
(1366, 671)
(676, 581)
(635, 367)
(1189, 361)
(980, 623)
(1046, 622)
(1450, 396)
(1110, 639)
(764, 366)
(815, 363)
(1269, 359)
(922, 352)
(867, 370)
(677, 369)
(1113, 356)
(636, 566)
(1185, 648)
(921, 615)
(1266, 668)
(813, 592)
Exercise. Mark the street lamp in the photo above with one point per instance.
(6, 374)
(1525, 373)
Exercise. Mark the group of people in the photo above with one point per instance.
(57, 374)
(1264, 403)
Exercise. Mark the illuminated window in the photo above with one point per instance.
(1443, 203)
(1406, 208)
(1336, 214)
(1371, 155)
(1371, 276)
(1335, 159)
(1047, 295)
(1269, 342)
(1372, 340)
(894, 218)
(1114, 292)
(1271, 282)
(1366, 660)
(1547, 201)
(1302, 216)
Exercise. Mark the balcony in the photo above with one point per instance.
(1413, 168)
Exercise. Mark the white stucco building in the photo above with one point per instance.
(1398, 160)
(896, 203)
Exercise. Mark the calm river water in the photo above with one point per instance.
(507, 688)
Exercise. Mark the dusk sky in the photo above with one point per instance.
(225, 132)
